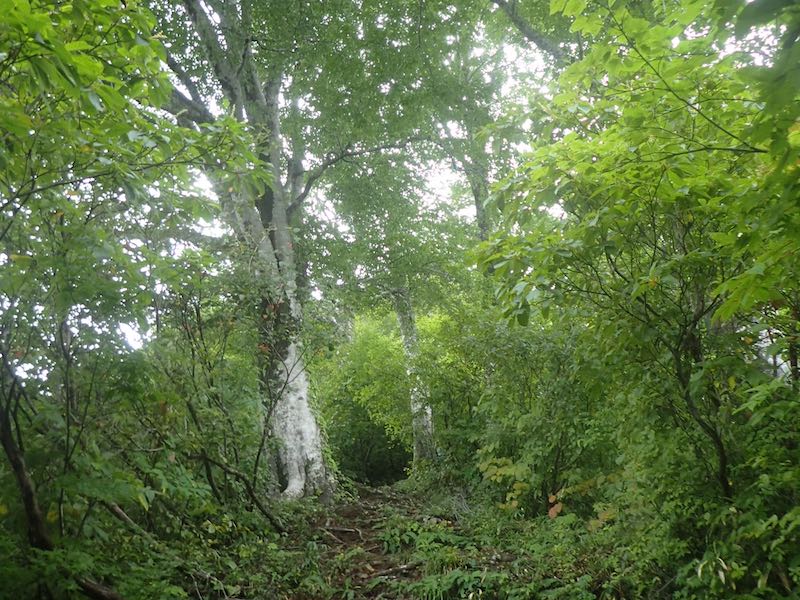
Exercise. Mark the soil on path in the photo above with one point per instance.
(356, 560)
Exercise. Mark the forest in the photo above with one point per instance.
(402, 299)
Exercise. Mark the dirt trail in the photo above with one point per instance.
(356, 561)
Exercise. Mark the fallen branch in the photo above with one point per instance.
(346, 530)
(338, 540)
(120, 514)
(398, 569)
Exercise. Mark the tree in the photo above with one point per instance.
(385, 246)
(260, 217)
(82, 148)
(289, 77)
(653, 165)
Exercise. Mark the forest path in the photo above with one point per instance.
(363, 539)
(393, 545)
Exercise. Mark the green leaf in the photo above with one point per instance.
(94, 99)
(759, 12)
(573, 7)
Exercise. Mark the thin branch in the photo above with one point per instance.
(398, 569)
(632, 45)
(251, 492)
(120, 514)
(347, 152)
(668, 155)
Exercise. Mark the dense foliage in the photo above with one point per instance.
(538, 258)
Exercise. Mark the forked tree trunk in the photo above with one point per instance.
(261, 223)
(224, 33)
(421, 414)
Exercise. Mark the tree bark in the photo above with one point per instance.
(478, 177)
(421, 414)
(262, 225)
(794, 362)
(37, 531)
(294, 424)
(683, 372)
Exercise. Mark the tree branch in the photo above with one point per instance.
(38, 535)
(184, 78)
(537, 38)
(187, 109)
(632, 45)
(98, 591)
(343, 154)
(251, 492)
(215, 54)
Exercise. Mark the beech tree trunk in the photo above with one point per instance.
(478, 178)
(301, 461)
(258, 92)
(265, 230)
(262, 225)
(421, 414)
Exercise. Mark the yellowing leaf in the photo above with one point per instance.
(606, 515)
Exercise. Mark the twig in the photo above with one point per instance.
(338, 540)
(632, 45)
(346, 530)
(398, 569)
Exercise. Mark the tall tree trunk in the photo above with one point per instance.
(293, 422)
(421, 414)
(265, 231)
(261, 223)
(478, 177)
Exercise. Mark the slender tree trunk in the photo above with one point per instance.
(794, 362)
(37, 531)
(38, 535)
(478, 178)
(683, 372)
(472, 159)
(421, 414)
